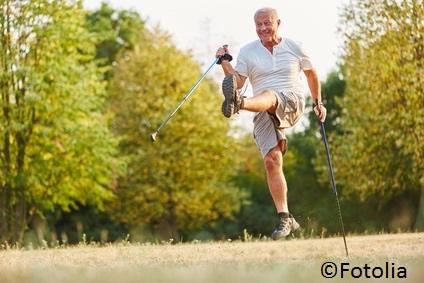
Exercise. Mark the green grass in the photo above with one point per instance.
(296, 260)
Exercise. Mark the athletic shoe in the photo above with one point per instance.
(283, 227)
(233, 100)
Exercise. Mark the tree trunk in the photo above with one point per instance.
(3, 215)
(167, 231)
(419, 223)
(168, 228)
(21, 205)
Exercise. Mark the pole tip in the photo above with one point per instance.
(153, 137)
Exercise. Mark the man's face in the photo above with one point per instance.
(266, 27)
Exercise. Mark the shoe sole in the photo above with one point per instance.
(228, 89)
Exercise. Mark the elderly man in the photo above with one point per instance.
(273, 65)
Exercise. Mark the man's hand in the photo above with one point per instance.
(225, 57)
(320, 111)
(222, 51)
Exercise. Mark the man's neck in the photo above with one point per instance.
(270, 44)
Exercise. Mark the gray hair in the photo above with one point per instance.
(273, 12)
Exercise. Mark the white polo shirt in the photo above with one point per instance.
(279, 71)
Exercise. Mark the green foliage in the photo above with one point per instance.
(115, 33)
(57, 150)
(96, 225)
(332, 90)
(380, 154)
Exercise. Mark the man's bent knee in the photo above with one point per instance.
(273, 100)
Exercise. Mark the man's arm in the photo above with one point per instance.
(315, 89)
(228, 68)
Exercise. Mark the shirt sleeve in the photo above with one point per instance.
(241, 65)
(305, 60)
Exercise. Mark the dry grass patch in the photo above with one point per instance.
(297, 260)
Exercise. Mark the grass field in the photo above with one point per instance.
(382, 258)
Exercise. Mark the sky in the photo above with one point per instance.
(203, 26)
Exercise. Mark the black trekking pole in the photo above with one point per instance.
(153, 136)
(334, 183)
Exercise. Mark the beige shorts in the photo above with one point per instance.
(269, 130)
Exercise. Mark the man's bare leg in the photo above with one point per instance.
(275, 176)
(278, 189)
(266, 101)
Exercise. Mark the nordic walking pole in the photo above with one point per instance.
(153, 136)
(334, 183)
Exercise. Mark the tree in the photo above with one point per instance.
(332, 90)
(181, 182)
(380, 155)
(56, 148)
(115, 33)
